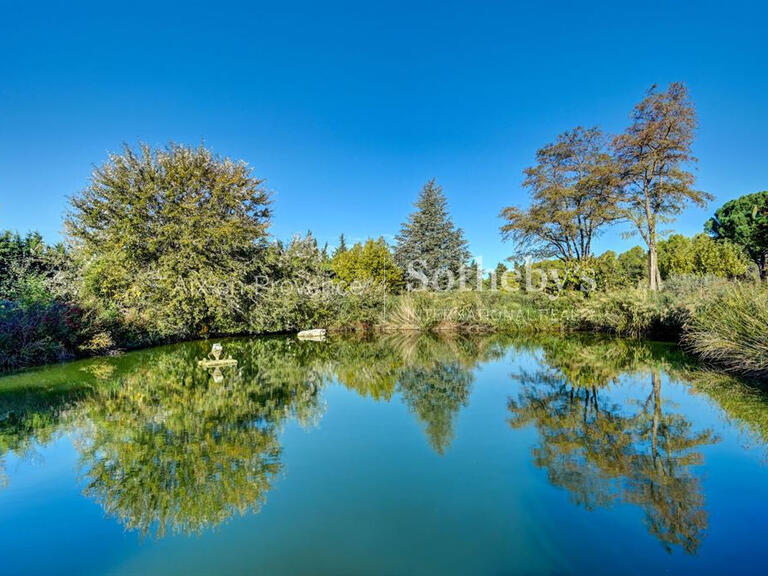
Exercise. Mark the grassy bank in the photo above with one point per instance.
(721, 323)
(724, 324)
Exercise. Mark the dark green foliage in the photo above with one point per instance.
(38, 321)
(429, 242)
(744, 221)
(633, 266)
(28, 266)
(342, 247)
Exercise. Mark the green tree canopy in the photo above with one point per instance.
(633, 265)
(429, 242)
(164, 236)
(701, 256)
(745, 222)
(369, 262)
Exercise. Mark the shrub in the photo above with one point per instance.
(37, 333)
(631, 312)
(372, 262)
(316, 303)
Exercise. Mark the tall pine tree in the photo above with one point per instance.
(429, 242)
(342, 247)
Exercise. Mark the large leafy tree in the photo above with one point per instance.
(745, 222)
(369, 262)
(573, 189)
(429, 242)
(166, 237)
(701, 255)
(653, 154)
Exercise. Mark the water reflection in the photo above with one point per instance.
(639, 451)
(435, 380)
(166, 447)
(31, 417)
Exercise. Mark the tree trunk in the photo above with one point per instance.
(654, 277)
(762, 264)
(656, 421)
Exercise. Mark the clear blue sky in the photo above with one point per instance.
(348, 108)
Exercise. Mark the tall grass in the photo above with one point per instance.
(629, 312)
(723, 323)
(731, 329)
(471, 311)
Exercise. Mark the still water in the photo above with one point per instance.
(398, 455)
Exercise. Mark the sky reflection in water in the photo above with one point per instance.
(401, 453)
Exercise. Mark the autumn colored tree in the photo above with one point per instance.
(745, 222)
(573, 189)
(653, 154)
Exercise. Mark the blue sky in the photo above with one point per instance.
(346, 109)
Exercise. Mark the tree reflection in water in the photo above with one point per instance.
(603, 453)
(435, 380)
(167, 449)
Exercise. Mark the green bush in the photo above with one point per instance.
(630, 312)
(290, 306)
(167, 239)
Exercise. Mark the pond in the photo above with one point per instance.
(392, 455)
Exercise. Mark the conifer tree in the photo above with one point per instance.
(342, 247)
(428, 243)
(744, 221)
